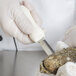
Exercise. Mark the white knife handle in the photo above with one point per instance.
(37, 33)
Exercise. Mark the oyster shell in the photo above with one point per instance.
(51, 64)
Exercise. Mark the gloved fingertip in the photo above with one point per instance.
(26, 40)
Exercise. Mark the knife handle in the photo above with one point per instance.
(37, 33)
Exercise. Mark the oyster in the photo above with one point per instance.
(51, 64)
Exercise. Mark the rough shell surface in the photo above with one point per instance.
(51, 64)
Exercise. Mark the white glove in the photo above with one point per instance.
(68, 69)
(14, 22)
(70, 37)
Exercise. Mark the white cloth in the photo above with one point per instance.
(57, 16)
(61, 45)
(68, 69)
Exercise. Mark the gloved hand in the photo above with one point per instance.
(14, 22)
(70, 36)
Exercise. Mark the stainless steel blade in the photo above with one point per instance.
(47, 48)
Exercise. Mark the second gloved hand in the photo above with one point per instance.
(14, 22)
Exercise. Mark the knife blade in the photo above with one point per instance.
(46, 47)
